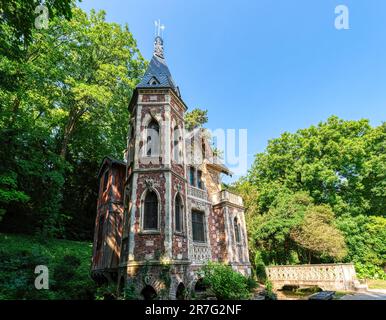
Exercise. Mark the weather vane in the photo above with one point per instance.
(159, 28)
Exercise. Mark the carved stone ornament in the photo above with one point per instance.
(159, 47)
(149, 183)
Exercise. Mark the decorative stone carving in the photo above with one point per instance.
(201, 254)
(149, 183)
(159, 47)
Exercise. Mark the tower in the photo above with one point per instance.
(155, 229)
(163, 213)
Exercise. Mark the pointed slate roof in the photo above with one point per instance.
(157, 74)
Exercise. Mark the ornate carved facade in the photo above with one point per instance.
(161, 213)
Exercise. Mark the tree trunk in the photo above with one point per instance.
(68, 130)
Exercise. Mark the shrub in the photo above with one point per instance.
(269, 294)
(106, 292)
(224, 282)
(365, 237)
(260, 267)
(251, 283)
(130, 292)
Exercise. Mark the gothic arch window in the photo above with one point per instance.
(150, 211)
(200, 183)
(236, 230)
(176, 145)
(178, 213)
(152, 139)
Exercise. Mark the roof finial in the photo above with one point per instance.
(158, 42)
(159, 28)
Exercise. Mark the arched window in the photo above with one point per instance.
(176, 145)
(178, 212)
(152, 139)
(150, 216)
(148, 293)
(237, 230)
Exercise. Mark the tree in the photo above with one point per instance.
(195, 119)
(340, 163)
(365, 237)
(68, 113)
(338, 169)
(318, 236)
(295, 230)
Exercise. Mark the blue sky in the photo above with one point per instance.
(267, 65)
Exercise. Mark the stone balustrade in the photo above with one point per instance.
(226, 196)
(201, 254)
(326, 276)
(197, 193)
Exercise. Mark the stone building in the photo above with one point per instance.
(162, 212)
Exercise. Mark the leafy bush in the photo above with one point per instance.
(269, 294)
(130, 292)
(366, 241)
(106, 292)
(251, 284)
(259, 267)
(224, 282)
(68, 263)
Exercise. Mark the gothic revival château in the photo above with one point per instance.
(162, 212)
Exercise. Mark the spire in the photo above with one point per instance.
(157, 74)
(158, 42)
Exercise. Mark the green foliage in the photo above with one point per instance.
(318, 236)
(259, 267)
(67, 262)
(251, 284)
(340, 163)
(9, 192)
(106, 292)
(225, 283)
(303, 192)
(195, 119)
(130, 292)
(295, 230)
(268, 293)
(366, 241)
(17, 19)
(64, 104)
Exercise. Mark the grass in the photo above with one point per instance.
(339, 294)
(376, 284)
(68, 263)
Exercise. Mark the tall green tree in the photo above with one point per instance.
(340, 166)
(73, 112)
(340, 163)
(195, 119)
